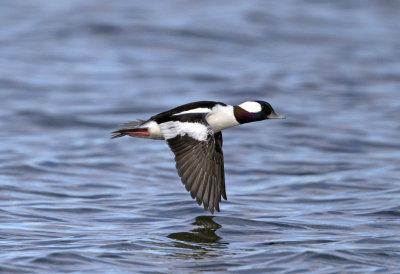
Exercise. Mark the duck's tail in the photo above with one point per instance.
(131, 128)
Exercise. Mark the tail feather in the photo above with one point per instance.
(133, 124)
(117, 134)
(129, 128)
(133, 129)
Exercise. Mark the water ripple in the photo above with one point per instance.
(317, 192)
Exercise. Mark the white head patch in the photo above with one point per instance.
(251, 106)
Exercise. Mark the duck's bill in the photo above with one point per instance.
(273, 115)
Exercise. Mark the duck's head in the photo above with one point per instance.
(252, 111)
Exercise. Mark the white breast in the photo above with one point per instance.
(221, 117)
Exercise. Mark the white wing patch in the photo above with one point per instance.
(195, 110)
(196, 131)
(251, 106)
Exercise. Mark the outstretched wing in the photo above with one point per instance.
(199, 158)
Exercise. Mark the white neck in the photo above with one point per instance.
(221, 117)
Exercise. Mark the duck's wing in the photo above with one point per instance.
(199, 158)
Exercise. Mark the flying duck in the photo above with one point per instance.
(193, 133)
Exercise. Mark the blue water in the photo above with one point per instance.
(318, 192)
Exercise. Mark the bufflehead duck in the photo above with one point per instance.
(193, 133)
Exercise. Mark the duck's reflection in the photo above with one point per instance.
(204, 233)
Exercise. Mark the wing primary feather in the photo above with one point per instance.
(212, 194)
(198, 189)
(184, 163)
(193, 175)
(217, 197)
(223, 187)
(206, 195)
(200, 164)
(186, 173)
(219, 182)
(202, 188)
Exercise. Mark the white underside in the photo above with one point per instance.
(219, 118)
(196, 131)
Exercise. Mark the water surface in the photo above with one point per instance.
(318, 192)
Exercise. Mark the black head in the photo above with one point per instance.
(252, 111)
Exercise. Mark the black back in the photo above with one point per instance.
(166, 115)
